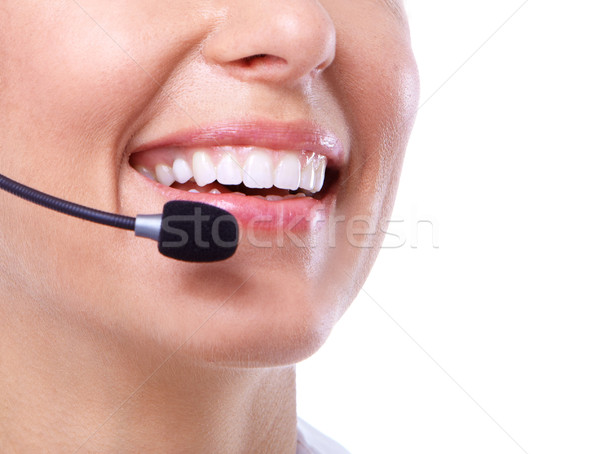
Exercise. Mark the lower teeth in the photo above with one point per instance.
(271, 198)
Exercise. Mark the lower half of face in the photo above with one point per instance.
(293, 118)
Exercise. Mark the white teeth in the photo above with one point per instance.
(146, 172)
(287, 174)
(307, 179)
(214, 191)
(164, 174)
(182, 171)
(204, 170)
(195, 191)
(262, 169)
(319, 177)
(229, 171)
(258, 170)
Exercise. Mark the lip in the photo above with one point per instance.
(292, 136)
(297, 215)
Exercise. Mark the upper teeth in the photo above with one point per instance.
(254, 167)
(182, 171)
(229, 171)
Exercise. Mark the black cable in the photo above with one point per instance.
(70, 208)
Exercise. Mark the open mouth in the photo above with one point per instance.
(251, 171)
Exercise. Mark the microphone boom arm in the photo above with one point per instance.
(63, 206)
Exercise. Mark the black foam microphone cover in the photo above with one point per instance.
(197, 232)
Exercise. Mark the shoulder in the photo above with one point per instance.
(311, 441)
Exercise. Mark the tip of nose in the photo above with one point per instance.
(280, 45)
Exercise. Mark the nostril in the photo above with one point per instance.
(257, 56)
(248, 61)
(261, 59)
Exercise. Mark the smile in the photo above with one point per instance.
(265, 174)
(257, 172)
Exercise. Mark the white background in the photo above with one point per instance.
(489, 343)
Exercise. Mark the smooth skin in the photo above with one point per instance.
(106, 346)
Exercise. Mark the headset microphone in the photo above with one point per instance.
(188, 231)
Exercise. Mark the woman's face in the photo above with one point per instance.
(94, 95)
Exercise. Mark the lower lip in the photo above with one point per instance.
(299, 214)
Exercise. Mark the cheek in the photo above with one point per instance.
(69, 95)
(76, 80)
(378, 73)
(378, 78)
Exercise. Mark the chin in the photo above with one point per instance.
(245, 312)
(248, 332)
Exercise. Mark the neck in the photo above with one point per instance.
(72, 393)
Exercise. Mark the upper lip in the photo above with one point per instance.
(291, 136)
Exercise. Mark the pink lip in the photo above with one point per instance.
(252, 213)
(295, 136)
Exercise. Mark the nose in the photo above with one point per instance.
(272, 40)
